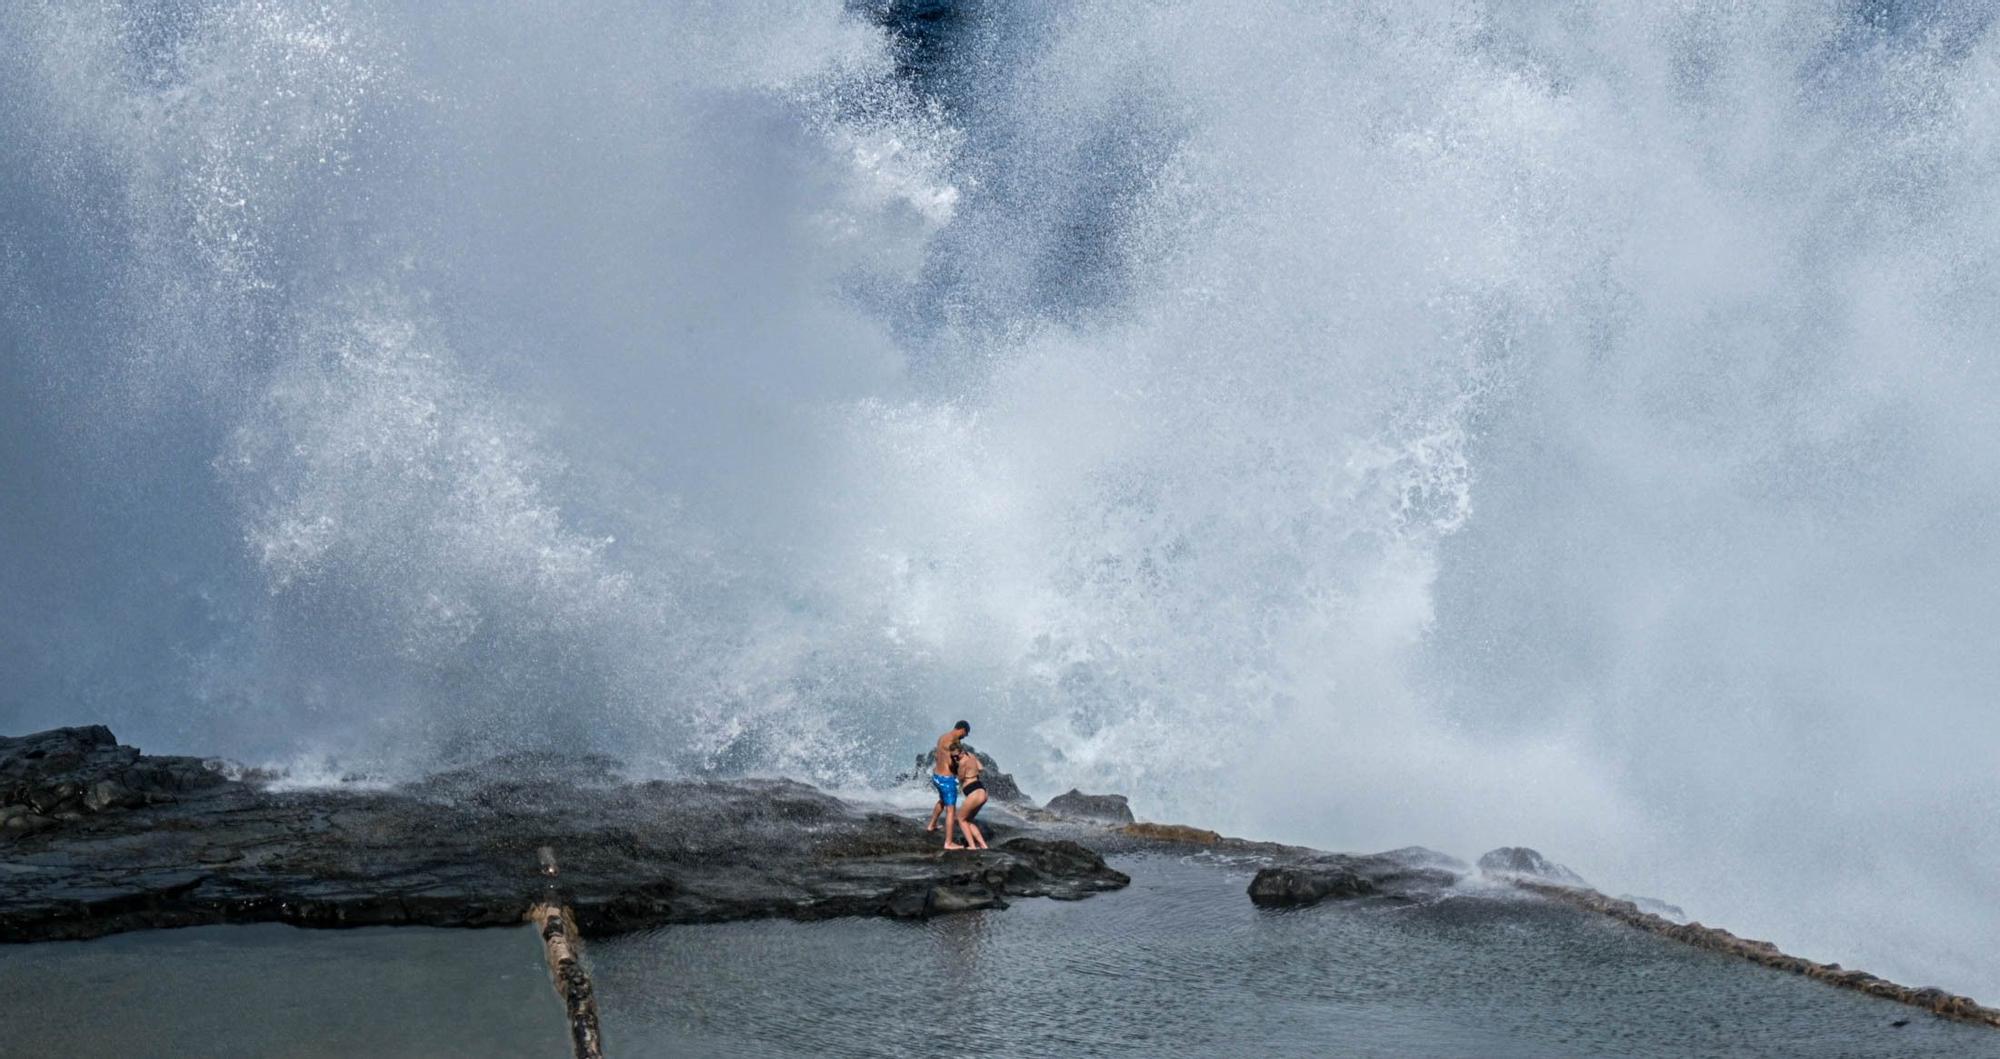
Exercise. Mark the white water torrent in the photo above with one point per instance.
(1359, 424)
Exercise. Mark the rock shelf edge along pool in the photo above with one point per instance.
(100, 838)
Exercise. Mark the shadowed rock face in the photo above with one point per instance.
(460, 850)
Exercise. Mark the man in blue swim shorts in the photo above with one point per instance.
(944, 776)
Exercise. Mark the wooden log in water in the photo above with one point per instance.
(572, 982)
(563, 948)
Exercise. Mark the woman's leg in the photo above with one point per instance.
(967, 809)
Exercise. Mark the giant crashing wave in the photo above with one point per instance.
(1400, 422)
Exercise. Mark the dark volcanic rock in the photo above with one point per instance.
(70, 773)
(1303, 885)
(1000, 786)
(460, 850)
(1109, 808)
(1525, 862)
(1403, 874)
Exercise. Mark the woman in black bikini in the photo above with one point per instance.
(971, 798)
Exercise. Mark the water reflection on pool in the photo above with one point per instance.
(272, 990)
(1182, 965)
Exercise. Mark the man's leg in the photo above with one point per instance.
(940, 807)
(950, 819)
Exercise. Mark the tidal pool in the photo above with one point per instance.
(1182, 965)
(278, 991)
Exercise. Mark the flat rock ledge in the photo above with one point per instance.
(1402, 874)
(461, 849)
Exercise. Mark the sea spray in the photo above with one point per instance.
(1413, 422)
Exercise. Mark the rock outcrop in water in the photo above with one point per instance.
(1401, 874)
(1105, 808)
(461, 849)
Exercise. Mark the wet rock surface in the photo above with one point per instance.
(1402, 874)
(69, 773)
(460, 849)
(1286, 876)
(1522, 862)
(97, 838)
(1107, 808)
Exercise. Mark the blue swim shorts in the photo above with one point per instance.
(947, 787)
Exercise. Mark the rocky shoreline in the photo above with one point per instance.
(98, 838)
(185, 845)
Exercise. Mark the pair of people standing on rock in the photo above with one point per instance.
(955, 774)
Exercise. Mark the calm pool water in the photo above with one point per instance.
(278, 991)
(1182, 965)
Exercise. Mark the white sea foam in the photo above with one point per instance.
(1404, 422)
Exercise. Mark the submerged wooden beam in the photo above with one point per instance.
(1715, 939)
(563, 948)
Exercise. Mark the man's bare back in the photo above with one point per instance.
(947, 752)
